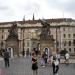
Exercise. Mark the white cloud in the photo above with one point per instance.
(64, 1)
(16, 9)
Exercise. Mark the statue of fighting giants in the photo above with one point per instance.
(45, 32)
(13, 30)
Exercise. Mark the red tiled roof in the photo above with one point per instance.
(57, 20)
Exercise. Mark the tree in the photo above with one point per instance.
(63, 52)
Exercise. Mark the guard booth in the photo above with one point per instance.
(47, 51)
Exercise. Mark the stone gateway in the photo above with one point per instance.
(12, 42)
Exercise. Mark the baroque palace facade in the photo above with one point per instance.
(62, 30)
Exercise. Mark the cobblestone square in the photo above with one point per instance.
(22, 66)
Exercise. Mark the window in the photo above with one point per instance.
(74, 49)
(64, 43)
(69, 35)
(2, 30)
(2, 36)
(1, 43)
(52, 36)
(57, 43)
(64, 35)
(73, 35)
(69, 43)
(63, 29)
(74, 42)
(27, 43)
(69, 49)
(8, 30)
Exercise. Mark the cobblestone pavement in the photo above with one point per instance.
(22, 66)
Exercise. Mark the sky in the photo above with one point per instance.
(16, 10)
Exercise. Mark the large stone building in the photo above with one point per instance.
(62, 30)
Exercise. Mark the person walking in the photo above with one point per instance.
(45, 58)
(42, 61)
(23, 53)
(55, 65)
(27, 53)
(58, 56)
(6, 58)
(67, 56)
(34, 64)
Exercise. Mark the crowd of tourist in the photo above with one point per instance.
(54, 60)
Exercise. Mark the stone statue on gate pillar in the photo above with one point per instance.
(12, 40)
(46, 40)
(13, 30)
(45, 31)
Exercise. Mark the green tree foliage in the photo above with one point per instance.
(63, 52)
